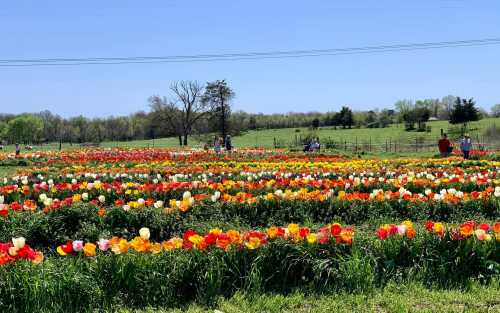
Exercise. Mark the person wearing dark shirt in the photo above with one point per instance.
(444, 146)
(228, 143)
(18, 150)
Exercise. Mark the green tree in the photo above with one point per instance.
(346, 118)
(81, 127)
(403, 107)
(315, 123)
(495, 110)
(3, 131)
(422, 114)
(371, 119)
(218, 97)
(252, 123)
(464, 111)
(25, 128)
(385, 118)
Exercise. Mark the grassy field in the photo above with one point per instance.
(266, 138)
(394, 133)
(413, 298)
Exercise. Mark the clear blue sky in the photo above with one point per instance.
(58, 29)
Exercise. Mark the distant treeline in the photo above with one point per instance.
(195, 109)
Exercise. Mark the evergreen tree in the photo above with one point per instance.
(464, 111)
(345, 117)
(315, 123)
(218, 95)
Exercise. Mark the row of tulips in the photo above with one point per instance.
(233, 239)
(135, 199)
(253, 165)
(480, 231)
(277, 177)
(254, 158)
(17, 250)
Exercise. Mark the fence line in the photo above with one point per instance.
(390, 145)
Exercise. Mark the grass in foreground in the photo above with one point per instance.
(394, 298)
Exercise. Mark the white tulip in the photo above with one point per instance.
(19, 242)
(401, 229)
(186, 195)
(144, 233)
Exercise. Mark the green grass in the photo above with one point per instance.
(393, 133)
(394, 298)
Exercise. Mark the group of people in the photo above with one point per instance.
(446, 147)
(312, 146)
(219, 142)
(17, 148)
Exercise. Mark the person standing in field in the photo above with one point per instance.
(18, 150)
(466, 146)
(217, 144)
(444, 146)
(228, 143)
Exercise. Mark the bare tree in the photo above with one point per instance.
(184, 110)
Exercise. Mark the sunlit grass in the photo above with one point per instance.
(394, 298)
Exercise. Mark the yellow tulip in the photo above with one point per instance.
(89, 249)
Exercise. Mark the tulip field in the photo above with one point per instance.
(142, 229)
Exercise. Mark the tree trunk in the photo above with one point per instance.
(185, 139)
(180, 140)
(223, 117)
